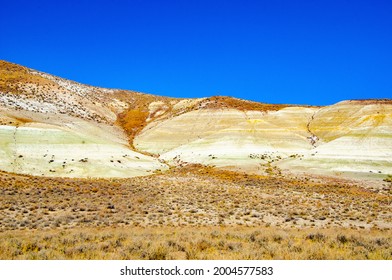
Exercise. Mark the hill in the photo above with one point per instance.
(51, 126)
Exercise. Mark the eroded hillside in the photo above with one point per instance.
(55, 127)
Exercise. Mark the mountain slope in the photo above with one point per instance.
(355, 137)
(55, 127)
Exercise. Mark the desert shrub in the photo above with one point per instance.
(239, 104)
(342, 239)
(316, 237)
(133, 120)
(388, 179)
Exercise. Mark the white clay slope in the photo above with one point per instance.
(356, 138)
(48, 150)
(350, 137)
(229, 138)
(54, 127)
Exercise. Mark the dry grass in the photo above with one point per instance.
(13, 77)
(134, 118)
(166, 243)
(370, 101)
(133, 121)
(140, 101)
(388, 179)
(242, 105)
(193, 195)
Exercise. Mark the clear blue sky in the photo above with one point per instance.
(300, 52)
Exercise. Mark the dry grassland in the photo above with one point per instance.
(168, 243)
(220, 102)
(13, 77)
(193, 213)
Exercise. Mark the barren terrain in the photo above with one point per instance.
(194, 213)
(93, 173)
(194, 195)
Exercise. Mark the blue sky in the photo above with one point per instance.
(274, 51)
